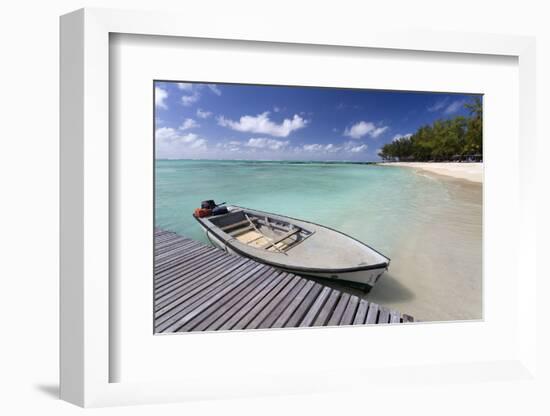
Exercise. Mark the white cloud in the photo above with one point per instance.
(185, 86)
(363, 128)
(447, 106)
(348, 147)
(353, 147)
(165, 133)
(214, 88)
(168, 135)
(160, 97)
(266, 143)
(357, 149)
(203, 113)
(398, 136)
(189, 138)
(189, 87)
(188, 100)
(454, 106)
(198, 144)
(263, 125)
(276, 109)
(378, 131)
(316, 147)
(438, 105)
(189, 123)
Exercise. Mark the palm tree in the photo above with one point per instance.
(475, 108)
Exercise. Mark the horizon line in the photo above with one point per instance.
(273, 160)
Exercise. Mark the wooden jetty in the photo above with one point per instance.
(202, 288)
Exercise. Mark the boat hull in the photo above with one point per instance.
(364, 279)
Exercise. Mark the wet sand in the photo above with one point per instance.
(436, 271)
(469, 171)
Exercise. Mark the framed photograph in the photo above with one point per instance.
(264, 214)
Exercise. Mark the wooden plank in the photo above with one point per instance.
(282, 238)
(240, 231)
(242, 298)
(338, 312)
(312, 313)
(192, 273)
(269, 307)
(168, 242)
(266, 300)
(187, 267)
(181, 318)
(175, 297)
(224, 297)
(184, 258)
(327, 309)
(395, 317)
(190, 285)
(202, 288)
(406, 318)
(160, 232)
(372, 314)
(361, 314)
(166, 237)
(180, 260)
(349, 312)
(298, 315)
(181, 306)
(176, 257)
(190, 264)
(173, 261)
(247, 311)
(384, 316)
(282, 306)
(165, 242)
(194, 266)
(173, 245)
(236, 224)
(176, 250)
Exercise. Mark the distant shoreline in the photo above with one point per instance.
(296, 162)
(470, 171)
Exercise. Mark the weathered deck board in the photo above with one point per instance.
(202, 288)
(178, 304)
(361, 314)
(312, 313)
(327, 309)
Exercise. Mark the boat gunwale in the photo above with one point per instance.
(229, 243)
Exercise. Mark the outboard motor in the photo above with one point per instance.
(212, 208)
(210, 204)
(219, 210)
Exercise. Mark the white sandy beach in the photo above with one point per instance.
(469, 171)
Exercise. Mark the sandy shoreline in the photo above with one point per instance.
(469, 171)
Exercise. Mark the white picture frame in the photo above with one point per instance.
(85, 201)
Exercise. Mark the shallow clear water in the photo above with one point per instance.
(429, 226)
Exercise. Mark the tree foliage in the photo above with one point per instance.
(451, 139)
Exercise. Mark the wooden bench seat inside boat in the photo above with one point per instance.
(282, 238)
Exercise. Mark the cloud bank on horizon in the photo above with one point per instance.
(234, 121)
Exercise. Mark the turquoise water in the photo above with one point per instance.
(395, 210)
(375, 204)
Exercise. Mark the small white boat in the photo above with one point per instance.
(294, 245)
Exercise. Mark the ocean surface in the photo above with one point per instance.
(430, 226)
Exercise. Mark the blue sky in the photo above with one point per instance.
(234, 121)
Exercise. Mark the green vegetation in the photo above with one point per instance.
(459, 138)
